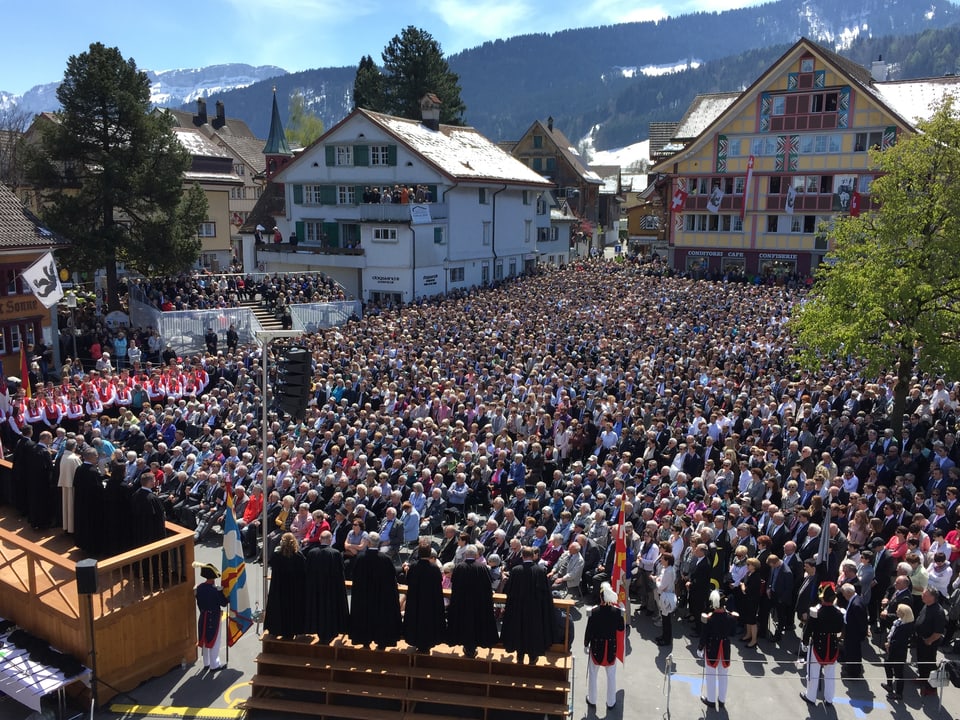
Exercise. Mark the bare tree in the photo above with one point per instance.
(14, 122)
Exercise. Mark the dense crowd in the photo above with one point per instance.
(532, 415)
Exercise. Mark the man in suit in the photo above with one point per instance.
(391, 534)
(780, 594)
(811, 543)
(854, 633)
(883, 568)
(777, 530)
(698, 587)
(901, 593)
(807, 595)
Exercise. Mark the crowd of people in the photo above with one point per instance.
(530, 417)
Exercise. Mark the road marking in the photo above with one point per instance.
(228, 695)
(167, 711)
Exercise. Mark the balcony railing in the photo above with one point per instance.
(286, 247)
(373, 212)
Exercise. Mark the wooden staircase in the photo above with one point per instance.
(267, 320)
(341, 681)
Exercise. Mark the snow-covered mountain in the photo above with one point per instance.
(170, 88)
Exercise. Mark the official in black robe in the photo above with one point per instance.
(528, 615)
(470, 617)
(424, 621)
(39, 474)
(23, 461)
(117, 529)
(284, 614)
(374, 600)
(88, 517)
(325, 592)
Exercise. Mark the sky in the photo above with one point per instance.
(292, 34)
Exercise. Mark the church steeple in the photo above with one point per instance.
(277, 150)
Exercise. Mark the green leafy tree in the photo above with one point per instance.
(109, 173)
(368, 86)
(413, 65)
(304, 126)
(891, 298)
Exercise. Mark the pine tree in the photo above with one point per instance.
(109, 173)
(368, 86)
(413, 65)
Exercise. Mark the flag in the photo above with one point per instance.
(823, 550)
(716, 197)
(43, 280)
(24, 369)
(234, 576)
(679, 200)
(746, 187)
(618, 578)
(855, 205)
(791, 199)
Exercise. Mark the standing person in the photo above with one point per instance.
(855, 632)
(822, 636)
(698, 587)
(780, 592)
(325, 592)
(39, 479)
(666, 585)
(375, 599)
(718, 626)
(424, 616)
(931, 622)
(897, 647)
(69, 462)
(284, 611)
(600, 642)
(470, 617)
(88, 502)
(210, 599)
(528, 615)
(748, 603)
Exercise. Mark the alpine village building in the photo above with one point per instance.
(805, 126)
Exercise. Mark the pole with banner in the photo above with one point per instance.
(234, 576)
(44, 281)
(618, 579)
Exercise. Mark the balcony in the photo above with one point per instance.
(388, 212)
(311, 255)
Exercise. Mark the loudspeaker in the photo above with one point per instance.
(87, 582)
(294, 382)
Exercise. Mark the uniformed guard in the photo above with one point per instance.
(210, 599)
(821, 638)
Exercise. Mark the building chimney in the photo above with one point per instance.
(430, 111)
(201, 117)
(550, 123)
(221, 117)
(878, 69)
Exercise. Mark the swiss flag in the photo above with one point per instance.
(855, 205)
(679, 200)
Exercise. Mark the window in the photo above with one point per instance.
(513, 268)
(824, 102)
(15, 282)
(485, 273)
(834, 143)
(538, 141)
(779, 105)
(713, 222)
(238, 193)
(809, 224)
(456, 274)
(806, 144)
(346, 195)
(14, 338)
(554, 233)
(379, 155)
(551, 163)
(483, 196)
(527, 230)
(207, 229)
(864, 141)
(806, 65)
(813, 183)
(541, 206)
(525, 194)
(385, 234)
(796, 223)
(312, 195)
(538, 163)
(739, 183)
(3, 343)
(737, 225)
(864, 182)
(498, 270)
(313, 231)
(240, 169)
(257, 192)
(775, 185)
(702, 223)
(486, 233)
(772, 222)
(734, 148)
(689, 222)
(344, 154)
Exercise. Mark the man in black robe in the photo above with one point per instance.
(88, 504)
(423, 615)
(23, 462)
(528, 615)
(470, 615)
(148, 524)
(39, 472)
(325, 598)
(374, 600)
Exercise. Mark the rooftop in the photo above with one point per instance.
(20, 228)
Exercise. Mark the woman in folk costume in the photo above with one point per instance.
(821, 635)
(718, 626)
(210, 599)
(600, 642)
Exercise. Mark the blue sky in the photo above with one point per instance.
(293, 34)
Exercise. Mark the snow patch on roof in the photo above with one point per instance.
(914, 99)
(196, 143)
(702, 111)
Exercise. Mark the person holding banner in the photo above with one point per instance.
(600, 643)
(210, 599)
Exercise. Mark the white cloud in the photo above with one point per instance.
(482, 20)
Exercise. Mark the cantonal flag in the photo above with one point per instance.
(24, 371)
(234, 576)
(618, 579)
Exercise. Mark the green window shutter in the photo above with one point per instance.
(332, 231)
(331, 152)
(358, 194)
(433, 193)
(361, 155)
(328, 194)
(301, 231)
(438, 235)
(551, 163)
(538, 163)
(391, 154)
(298, 194)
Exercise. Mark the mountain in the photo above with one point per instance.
(167, 87)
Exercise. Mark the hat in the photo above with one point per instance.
(608, 593)
(208, 571)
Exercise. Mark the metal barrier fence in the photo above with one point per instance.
(311, 317)
(184, 330)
